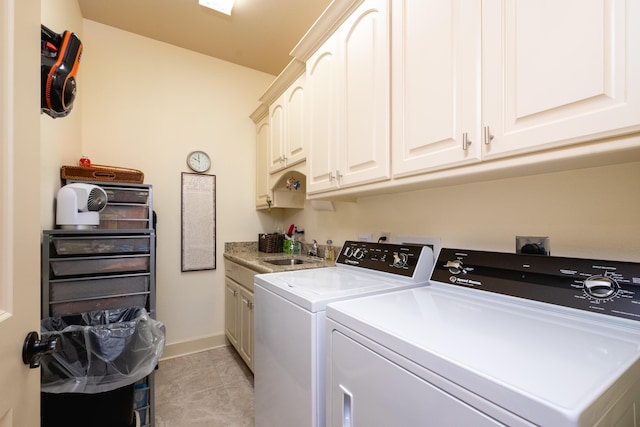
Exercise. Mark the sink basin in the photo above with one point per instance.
(290, 261)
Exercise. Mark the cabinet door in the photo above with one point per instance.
(262, 172)
(363, 95)
(294, 151)
(286, 144)
(231, 314)
(435, 86)
(277, 134)
(558, 72)
(246, 327)
(321, 116)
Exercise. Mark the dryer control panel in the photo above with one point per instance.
(607, 287)
(403, 260)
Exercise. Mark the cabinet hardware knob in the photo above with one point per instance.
(487, 136)
(466, 142)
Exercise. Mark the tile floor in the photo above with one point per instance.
(208, 389)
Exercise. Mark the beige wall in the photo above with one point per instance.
(146, 105)
(586, 213)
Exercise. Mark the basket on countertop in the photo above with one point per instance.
(102, 173)
(270, 243)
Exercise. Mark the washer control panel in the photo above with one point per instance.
(403, 260)
(607, 287)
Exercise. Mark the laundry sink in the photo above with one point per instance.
(292, 261)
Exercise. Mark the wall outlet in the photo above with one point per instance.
(365, 237)
(533, 245)
(385, 237)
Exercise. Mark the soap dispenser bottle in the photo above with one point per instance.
(329, 254)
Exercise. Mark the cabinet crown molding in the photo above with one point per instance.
(333, 16)
(259, 113)
(291, 72)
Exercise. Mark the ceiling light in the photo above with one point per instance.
(223, 6)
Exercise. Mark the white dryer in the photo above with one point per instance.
(289, 316)
(495, 339)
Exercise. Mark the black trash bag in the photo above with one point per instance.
(100, 351)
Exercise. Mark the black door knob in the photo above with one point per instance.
(34, 348)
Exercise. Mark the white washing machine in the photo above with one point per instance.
(495, 339)
(289, 317)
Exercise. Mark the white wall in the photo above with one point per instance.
(586, 213)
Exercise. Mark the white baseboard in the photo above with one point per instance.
(193, 346)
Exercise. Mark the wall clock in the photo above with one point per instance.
(199, 161)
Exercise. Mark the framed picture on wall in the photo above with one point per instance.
(198, 221)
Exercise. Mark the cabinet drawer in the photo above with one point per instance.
(83, 266)
(240, 274)
(97, 246)
(96, 287)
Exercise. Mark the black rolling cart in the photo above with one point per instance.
(98, 297)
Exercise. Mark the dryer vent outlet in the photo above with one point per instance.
(535, 245)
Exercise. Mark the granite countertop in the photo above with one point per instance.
(247, 254)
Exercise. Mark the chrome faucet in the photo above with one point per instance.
(314, 251)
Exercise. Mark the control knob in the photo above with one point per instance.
(400, 259)
(360, 253)
(600, 286)
(455, 266)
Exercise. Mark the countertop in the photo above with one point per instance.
(247, 254)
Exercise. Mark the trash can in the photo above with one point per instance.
(90, 380)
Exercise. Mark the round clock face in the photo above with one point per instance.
(199, 161)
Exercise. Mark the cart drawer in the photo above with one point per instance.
(98, 287)
(94, 266)
(124, 224)
(100, 245)
(125, 212)
(126, 195)
(82, 306)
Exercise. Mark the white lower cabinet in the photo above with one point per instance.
(231, 312)
(245, 346)
(238, 304)
(489, 79)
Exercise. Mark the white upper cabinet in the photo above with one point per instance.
(286, 145)
(262, 174)
(557, 72)
(321, 115)
(348, 102)
(435, 84)
(480, 80)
